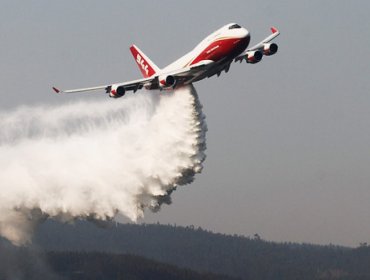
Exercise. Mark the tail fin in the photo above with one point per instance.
(146, 66)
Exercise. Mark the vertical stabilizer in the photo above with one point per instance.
(146, 66)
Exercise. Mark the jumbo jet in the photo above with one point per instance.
(210, 57)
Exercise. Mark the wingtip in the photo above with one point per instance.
(56, 90)
(274, 29)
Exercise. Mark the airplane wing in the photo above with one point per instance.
(181, 76)
(262, 48)
(57, 90)
(133, 85)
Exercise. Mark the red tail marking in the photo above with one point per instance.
(144, 66)
(56, 90)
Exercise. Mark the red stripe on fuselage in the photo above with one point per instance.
(220, 49)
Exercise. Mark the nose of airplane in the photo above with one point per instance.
(245, 37)
(245, 33)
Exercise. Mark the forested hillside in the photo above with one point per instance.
(88, 266)
(30, 263)
(247, 258)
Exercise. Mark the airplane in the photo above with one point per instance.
(210, 57)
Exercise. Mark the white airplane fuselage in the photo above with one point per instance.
(222, 44)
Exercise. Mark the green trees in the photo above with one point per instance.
(94, 265)
(204, 251)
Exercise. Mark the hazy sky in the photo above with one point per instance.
(289, 138)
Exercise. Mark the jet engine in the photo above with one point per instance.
(116, 91)
(254, 56)
(167, 81)
(270, 49)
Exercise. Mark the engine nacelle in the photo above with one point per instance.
(167, 81)
(117, 91)
(254, 56)
(270, 49)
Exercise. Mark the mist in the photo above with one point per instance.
(97, 159)
(17, 263)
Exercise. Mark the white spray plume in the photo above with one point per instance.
(96, 159)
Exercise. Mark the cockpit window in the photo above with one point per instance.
(234, 26)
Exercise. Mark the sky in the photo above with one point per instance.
(288, 142)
